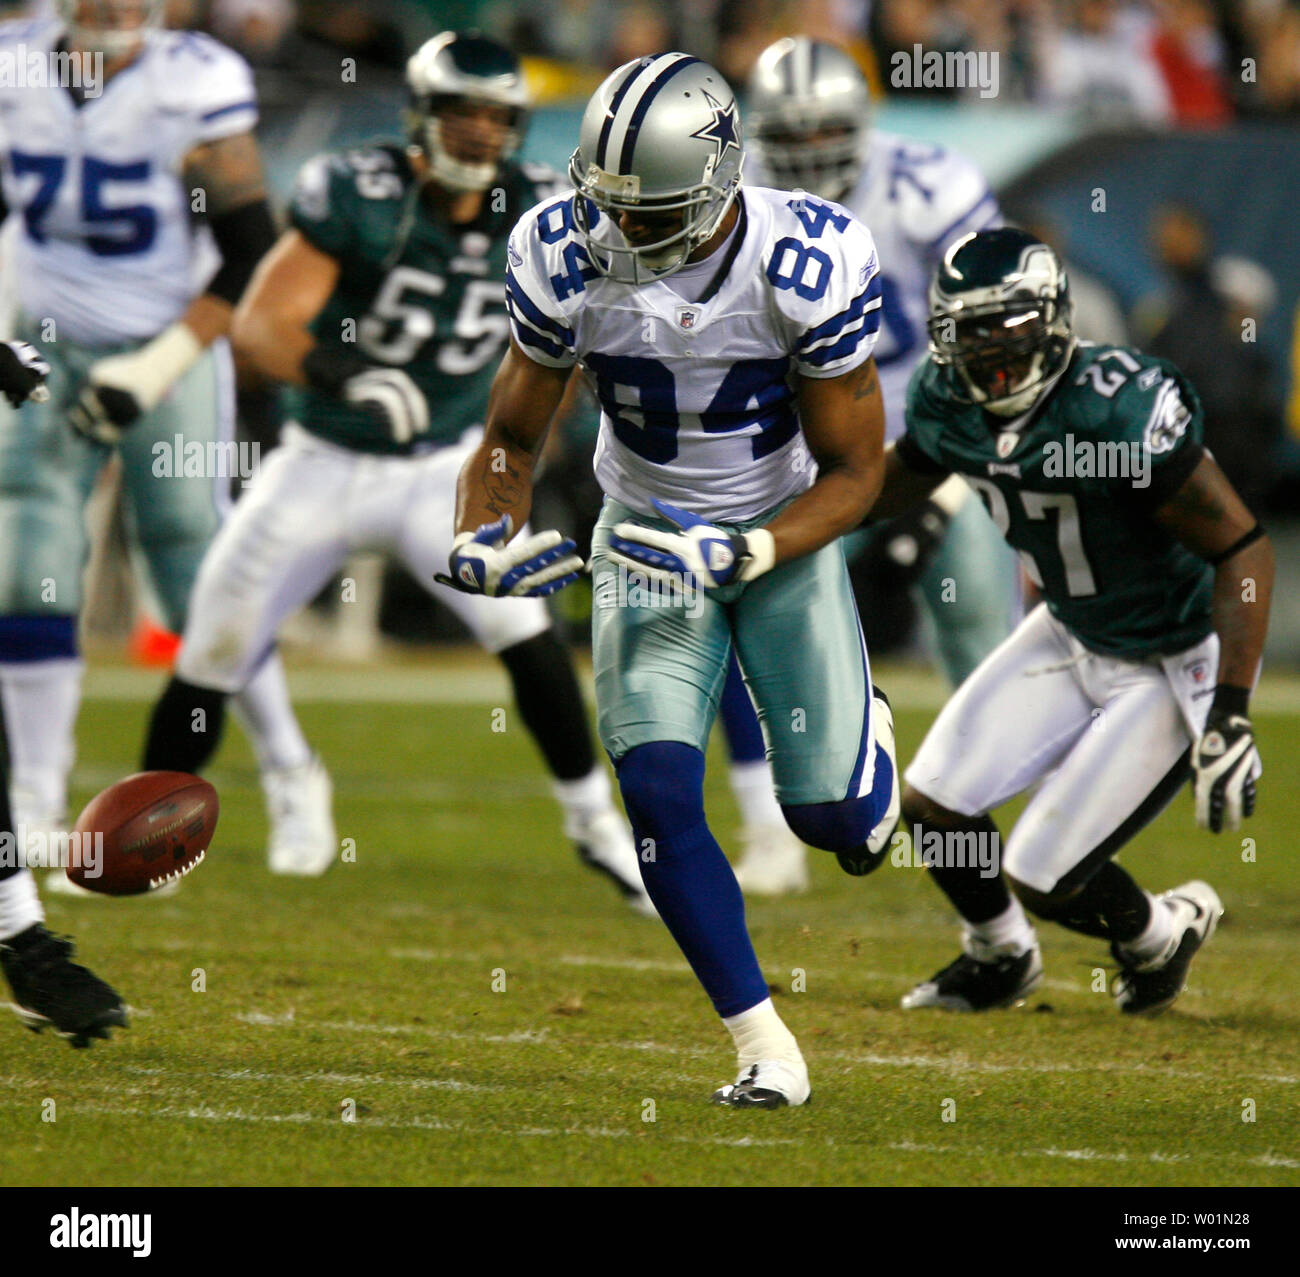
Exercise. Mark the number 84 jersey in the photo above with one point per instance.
(698, 397)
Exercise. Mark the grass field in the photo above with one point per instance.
(374, 986)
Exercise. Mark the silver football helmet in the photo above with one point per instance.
(809, 113)
(660, 138)
(455, 68)
(106, 26)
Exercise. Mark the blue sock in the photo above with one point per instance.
(739, 719)
(688, 878)
(38, 638)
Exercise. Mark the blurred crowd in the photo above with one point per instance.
(1156, 62)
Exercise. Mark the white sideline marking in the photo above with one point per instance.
(951, 1064)
(208, 1114)
(482, 681)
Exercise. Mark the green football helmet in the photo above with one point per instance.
(1001, 318)
(449, 74)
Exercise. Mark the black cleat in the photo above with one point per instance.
(1147, 988)
(968, 985)
(769, 1084)
(51, 991)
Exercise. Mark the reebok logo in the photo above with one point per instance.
(102, 1232)
(720, 556)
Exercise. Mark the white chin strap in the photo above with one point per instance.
(454, 174)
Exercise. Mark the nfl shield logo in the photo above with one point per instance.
(1007, 444)
(687, 317)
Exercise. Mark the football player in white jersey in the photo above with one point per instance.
(728, 333)
(808, 113)
(116, 286)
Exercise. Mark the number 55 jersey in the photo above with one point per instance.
(698, 398)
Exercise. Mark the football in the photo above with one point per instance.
(143, 832)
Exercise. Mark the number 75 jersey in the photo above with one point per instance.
(698, 398)
(108, 247)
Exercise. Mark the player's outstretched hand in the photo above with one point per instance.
(1225, 763)
(22, 373)
(482, 562)
(712, 556)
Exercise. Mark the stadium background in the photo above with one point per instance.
(1108, 118)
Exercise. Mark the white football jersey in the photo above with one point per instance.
(108, 247)
(916, 199)
(698, 399)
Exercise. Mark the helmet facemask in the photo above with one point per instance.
(821, 153)
(102, 26)
(690, 217)
(445, 129)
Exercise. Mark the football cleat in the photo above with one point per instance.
(969, 984)
(769, 1084)
(299, 805)
(1151, 986)
(774, 862)
(863, 860)
(604, 843)
(51, 991)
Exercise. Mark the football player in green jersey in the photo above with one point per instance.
(382, 310)
(1140, 660)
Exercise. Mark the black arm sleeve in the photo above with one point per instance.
(244, 235)
(1166, 479)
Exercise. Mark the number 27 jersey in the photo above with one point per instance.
(698, 398)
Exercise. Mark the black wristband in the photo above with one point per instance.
(1237, 546)
(1231, 701)
(331, 369)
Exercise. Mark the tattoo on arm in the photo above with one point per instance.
(504, 488)
(228, 171)
(865, 381)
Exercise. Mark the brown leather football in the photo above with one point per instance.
(143, 832)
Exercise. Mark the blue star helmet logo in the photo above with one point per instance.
(722, 129)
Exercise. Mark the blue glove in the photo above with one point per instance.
(483, 563)
(712, 556)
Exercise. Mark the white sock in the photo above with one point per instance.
(1155, 936)
(755, 795)
(760, 1034)
(1009, 934)
(585, 798)
(267, 717)
(41, 699)
(20, 906)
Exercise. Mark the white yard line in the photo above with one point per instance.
(209, 1114)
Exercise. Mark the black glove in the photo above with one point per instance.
(901, 547)
(22, 373)
(101, 413)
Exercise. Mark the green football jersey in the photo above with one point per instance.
(414, 292)
(1072, 486)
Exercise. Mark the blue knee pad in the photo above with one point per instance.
(38, 638)
(844, 825)
(663, 788)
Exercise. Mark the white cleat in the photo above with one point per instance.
(774, 862)
(299, 804)
(769, 1084)
(1148, 987)
(605, 843)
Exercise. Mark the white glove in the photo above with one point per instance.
(395, 395)
(709, 554)
(483, 563)
(1225, 763)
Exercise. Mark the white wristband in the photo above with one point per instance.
(762, 554)
(150, 372)
(951, 494)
